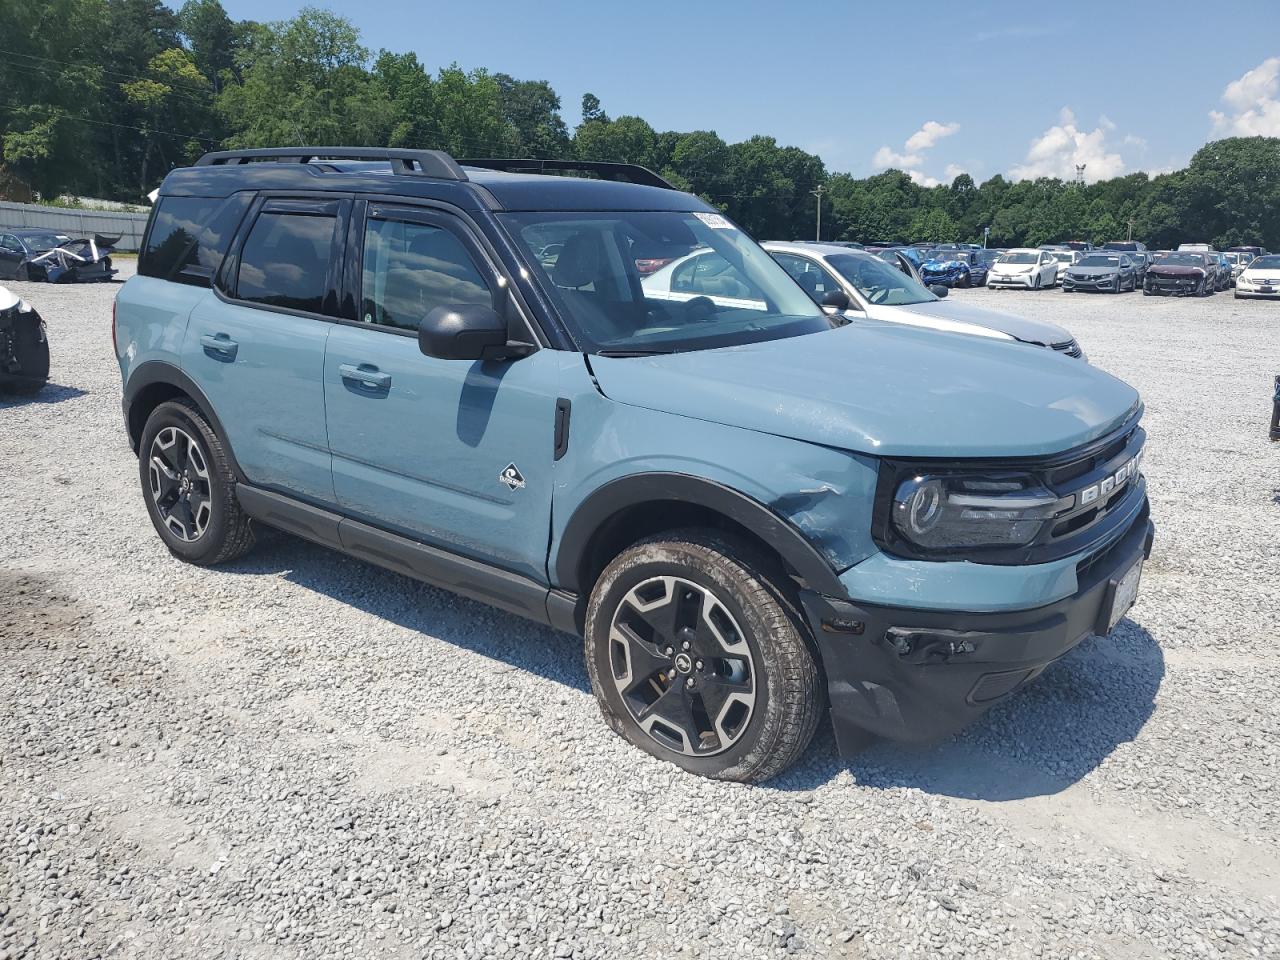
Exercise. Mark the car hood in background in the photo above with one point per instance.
(884, 389)
(1020, 328)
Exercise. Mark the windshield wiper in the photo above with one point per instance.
(633, 353)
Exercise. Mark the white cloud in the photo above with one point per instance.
(912, 156)
(1253, 108)
(953, 170)
(1060, 149)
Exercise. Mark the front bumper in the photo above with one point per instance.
(1179, 287)
(919, 676)
(1258, 291)
(1017, 280)
(1103, 284)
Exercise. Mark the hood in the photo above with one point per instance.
(1020, 328)
(1013, 267)
(1174, 270)
(885, 390)
(941, 263)
(1078, 271)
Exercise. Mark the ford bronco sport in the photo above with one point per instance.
(752, 512)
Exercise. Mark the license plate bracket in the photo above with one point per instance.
(1121, 595)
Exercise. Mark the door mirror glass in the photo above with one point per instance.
(465, 331)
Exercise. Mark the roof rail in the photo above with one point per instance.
(421, 163)
(624, 172)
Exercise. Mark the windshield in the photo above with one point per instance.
(878, 282)
(43, 242)
(1264, 263)
(1183, 259)
(1096, 260)
(719, 288)
(1028, 256)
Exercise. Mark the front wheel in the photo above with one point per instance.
(189, 487)
(697, 655)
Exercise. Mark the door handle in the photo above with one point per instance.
(366, 374)
(219, 346)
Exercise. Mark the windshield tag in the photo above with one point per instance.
(715, 221)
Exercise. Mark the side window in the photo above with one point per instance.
(285, 260)
(189, 237)
(410, 268)
(11, 244)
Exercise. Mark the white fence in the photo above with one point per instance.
(75, 222)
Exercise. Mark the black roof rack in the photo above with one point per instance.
(421, 163)
(623, 172)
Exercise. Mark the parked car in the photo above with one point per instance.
(1108, 271)
(905, 259)
(1260, 278)
(756, 515)
(1065, 258)
(954, 268)
(1125, 246)
(1182, 273)
(43, 255)
(24, 346)
(1024, 267)
(1141, 261)
(1223, 275)
(1239, 262)
(1251, 250)
(874, 294)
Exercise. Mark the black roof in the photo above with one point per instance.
(431, 175)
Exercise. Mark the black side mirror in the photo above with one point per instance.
(467, 331)
(939, 290)
(836, 298)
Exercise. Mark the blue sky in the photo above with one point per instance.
(938, 87)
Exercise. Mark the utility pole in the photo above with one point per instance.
(1130, 236)
(986, 231)
(818, 193)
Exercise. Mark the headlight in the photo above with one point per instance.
(945, 513)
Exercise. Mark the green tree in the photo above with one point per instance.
(468, 114)
(531, 109)
(1231, 191)
(174, 92)
(213, 39)
(935, 226)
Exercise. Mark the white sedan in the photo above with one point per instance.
(1261, 278)
(1025, 268)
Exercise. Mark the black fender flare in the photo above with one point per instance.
(152, 372)
(618, 495)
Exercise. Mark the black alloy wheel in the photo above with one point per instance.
(179, 483)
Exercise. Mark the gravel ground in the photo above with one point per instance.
(302, 756)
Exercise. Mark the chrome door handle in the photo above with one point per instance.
(366, 374)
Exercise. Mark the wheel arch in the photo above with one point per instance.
(629, 509)
(155, 382)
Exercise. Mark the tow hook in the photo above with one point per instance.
(925, 646)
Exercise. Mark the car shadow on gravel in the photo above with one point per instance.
(475, 626)
(1039, 742)
(52, 393)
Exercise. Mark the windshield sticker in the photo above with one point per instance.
(715, 221)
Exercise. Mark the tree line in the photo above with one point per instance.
(103, 97)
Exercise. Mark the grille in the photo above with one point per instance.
(1069, 347)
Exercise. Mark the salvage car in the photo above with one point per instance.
(954, 268)
(1260, 279)
(866, 291)
(1025, 268)
(24, 346)
(1182, 274)
(44, 255)
(755, 516)
(1108, 271)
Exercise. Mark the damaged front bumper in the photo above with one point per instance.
(920, 676)
(76, 261)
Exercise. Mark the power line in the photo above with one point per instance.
(92, 66)
(124, 126)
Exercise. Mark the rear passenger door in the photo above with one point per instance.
(256, 348)
(455, 453)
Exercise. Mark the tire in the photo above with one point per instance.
(768, 691)
(965, 281)
(1036, 285)
(30, 349)
(208, 526)
(1116, 288)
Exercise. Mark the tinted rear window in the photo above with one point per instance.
(189, 237)
(285, 260)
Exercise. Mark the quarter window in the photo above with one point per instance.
(189, 237)
(411, 268)
(285, 261)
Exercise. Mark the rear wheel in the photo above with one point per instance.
(698, 655)
(189, 487)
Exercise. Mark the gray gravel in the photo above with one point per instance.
(303, 756)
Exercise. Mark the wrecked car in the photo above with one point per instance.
(46, 255)
(24, 348)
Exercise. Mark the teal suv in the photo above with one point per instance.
(755, 513)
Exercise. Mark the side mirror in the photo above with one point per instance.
(836, 298)
(939, 290)
(467, 331)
